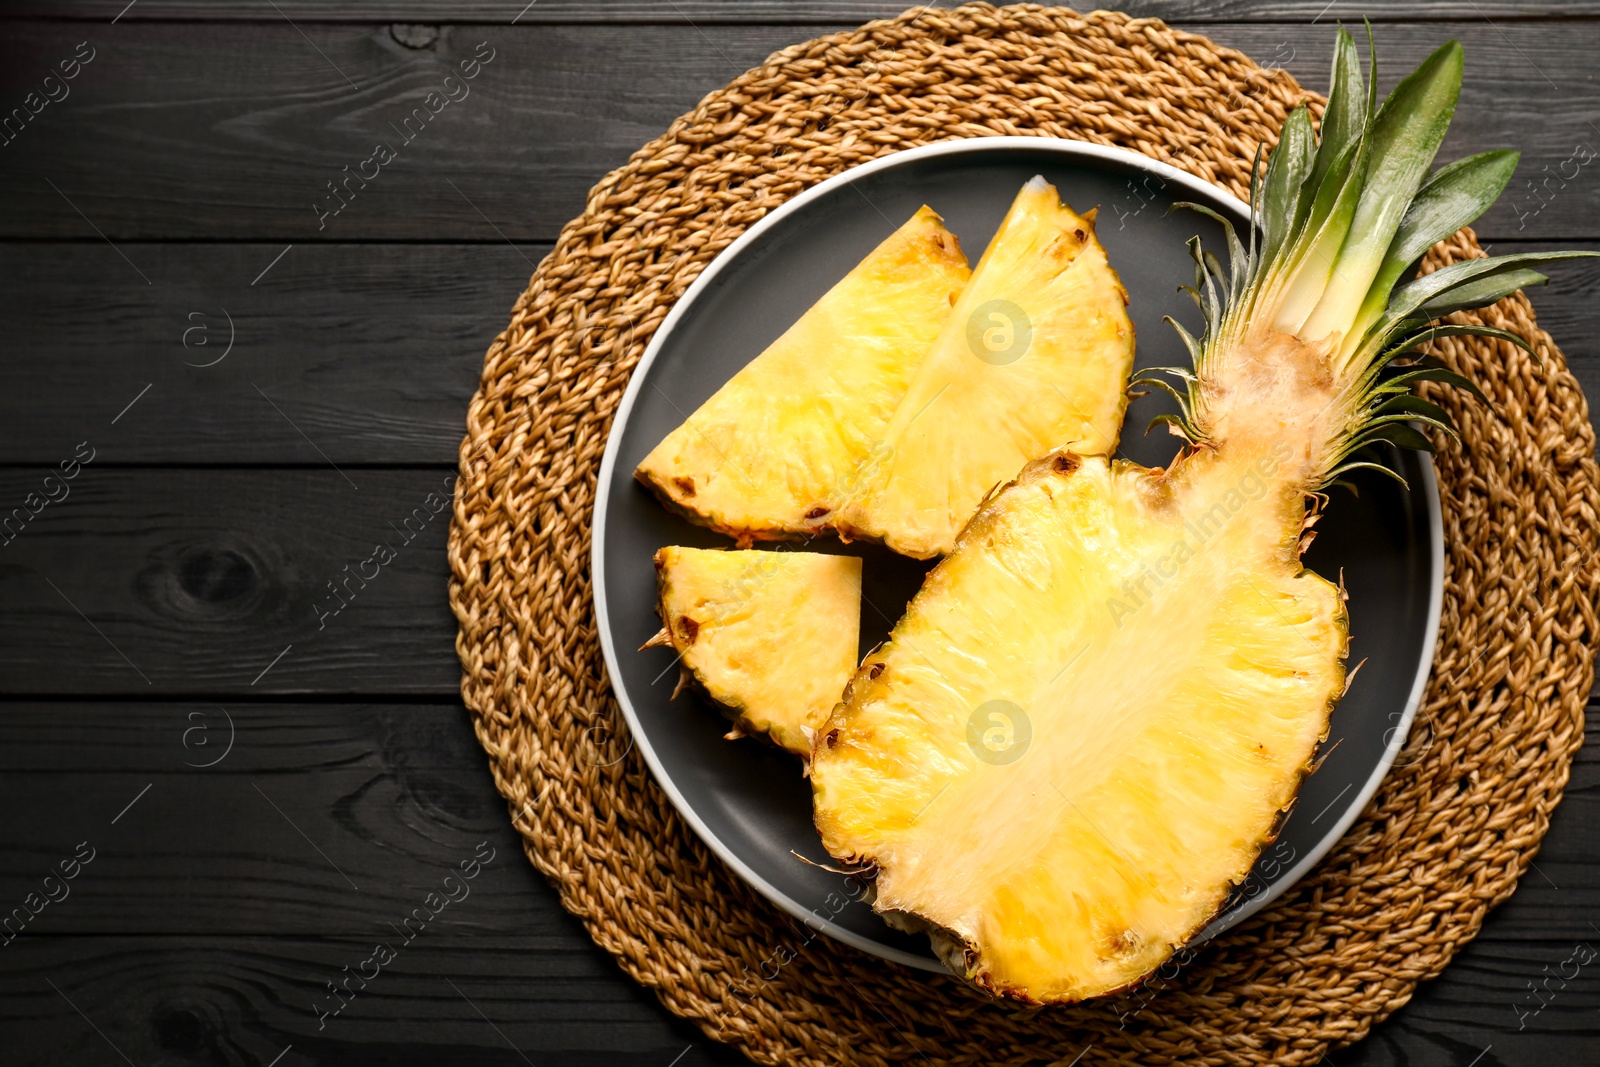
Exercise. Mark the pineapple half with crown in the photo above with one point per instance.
(771, 636)
(1097, 709)
(860, 418)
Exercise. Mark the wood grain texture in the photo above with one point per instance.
(1566, 308)
(716, 12)
(446, 998)
(250, 121)
(372, 350)
(319, 819)
(196, 581)
(220, 903)
(225, 582)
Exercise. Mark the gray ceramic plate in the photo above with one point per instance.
(746, 799)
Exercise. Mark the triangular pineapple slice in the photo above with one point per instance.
(773, 451)
(1036, 356)
(772, 636)
(885, 415)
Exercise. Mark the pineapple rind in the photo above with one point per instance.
(1077, 869)
(771, 636)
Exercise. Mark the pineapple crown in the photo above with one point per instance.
(1339, 217)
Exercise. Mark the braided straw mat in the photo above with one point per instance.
(1446, 838)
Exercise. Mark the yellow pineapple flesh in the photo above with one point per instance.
(1086, 724)
(1036, 356)
(771, 636)
(767, 456)
(891, 407)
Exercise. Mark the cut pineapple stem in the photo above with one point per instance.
(1302, 334)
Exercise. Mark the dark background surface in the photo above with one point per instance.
(176, 589)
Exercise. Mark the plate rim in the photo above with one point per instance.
(1072, 149)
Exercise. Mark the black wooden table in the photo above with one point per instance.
(231, 372)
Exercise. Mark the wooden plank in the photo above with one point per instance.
(720, 12)
(260, 818)
(447, 997)
(373, 351)
(395, 797)
(234, 130)
(331, 819)
(1473, 1007)
(473, 999)
(200, 581)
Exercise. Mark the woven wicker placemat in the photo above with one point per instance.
(1446, 838)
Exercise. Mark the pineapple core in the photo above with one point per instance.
(772, 636)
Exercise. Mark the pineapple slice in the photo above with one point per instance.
(772, 636)
(769, 455)
(886, 415)
(1086, 724)
(1096, 710)
(1035, 357)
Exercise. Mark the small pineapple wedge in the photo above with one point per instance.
(771, 636)
(1099, 706)
(767, 456)
(1035, 357)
